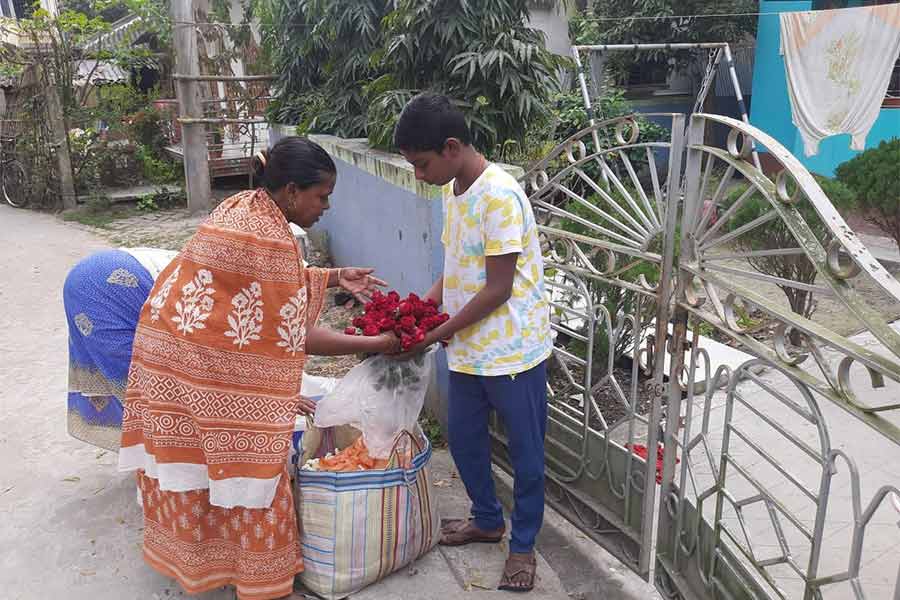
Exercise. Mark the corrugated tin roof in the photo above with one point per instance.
(100, 72)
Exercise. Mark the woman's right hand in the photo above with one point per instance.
(387, 343)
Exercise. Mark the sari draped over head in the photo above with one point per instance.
(212, 397)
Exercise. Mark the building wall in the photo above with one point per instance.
(771, 109)
(554, 22)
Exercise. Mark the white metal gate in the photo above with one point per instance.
(651, 250)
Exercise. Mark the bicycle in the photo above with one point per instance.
(13, 178)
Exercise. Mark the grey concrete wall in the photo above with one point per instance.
(554, 22)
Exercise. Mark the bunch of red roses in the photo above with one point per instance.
(410, 319)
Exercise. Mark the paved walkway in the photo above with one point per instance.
(882, 248)
(876, 458)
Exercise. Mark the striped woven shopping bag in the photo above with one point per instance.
(357, 528)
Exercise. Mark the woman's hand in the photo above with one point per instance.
(306, 407)
(359, 282)
(388, 343)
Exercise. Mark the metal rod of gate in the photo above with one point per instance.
(723, 46)
(586, 97)
(739, 96)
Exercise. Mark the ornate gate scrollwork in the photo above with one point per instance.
(680, 366)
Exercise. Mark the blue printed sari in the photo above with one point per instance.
(103, 296)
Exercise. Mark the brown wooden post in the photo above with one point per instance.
(187, 64)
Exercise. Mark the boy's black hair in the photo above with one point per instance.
(427, 122)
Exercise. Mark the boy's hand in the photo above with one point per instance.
(431, 338)
(360, 282)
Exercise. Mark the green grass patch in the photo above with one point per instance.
(100, 214)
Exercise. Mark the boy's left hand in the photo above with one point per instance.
(360, 282)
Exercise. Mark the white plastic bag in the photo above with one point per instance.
(380, 397)
(313, 386)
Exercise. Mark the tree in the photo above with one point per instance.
(612, 22)
(109, 12)
(875, 177)
(58, 104)
(348, 68)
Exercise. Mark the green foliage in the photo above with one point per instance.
(588, 27)
(775, 235)
(573, 117)
(570, 117)
(108, 11)
(347, 68)
(99, 212)
(155, 169)
(433, 431)
(161, 199)
(97, 117)
(874, 176)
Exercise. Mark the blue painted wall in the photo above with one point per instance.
(374, 223)
(771, 110)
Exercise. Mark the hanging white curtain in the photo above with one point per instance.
(839, 65)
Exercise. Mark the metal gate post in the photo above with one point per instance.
(663, 310)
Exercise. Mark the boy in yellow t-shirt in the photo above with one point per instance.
(499, 328)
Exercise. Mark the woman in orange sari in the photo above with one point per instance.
(214, 384)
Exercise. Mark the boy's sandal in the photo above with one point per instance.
(519, 573)
(459, 532)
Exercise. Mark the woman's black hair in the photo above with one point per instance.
(292, 160)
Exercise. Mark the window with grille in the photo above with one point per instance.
(23, 9)
(894, 87)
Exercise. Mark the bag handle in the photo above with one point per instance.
(394, 456)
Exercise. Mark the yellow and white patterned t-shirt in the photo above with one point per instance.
(492, 218)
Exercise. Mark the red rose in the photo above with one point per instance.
(405, 308)
(394, 297)
(359, 322)
(430, 302)
(369, 307)
(406, 342)
(350, 331)
(371, 330)
(444, 317)
(430, 311)
(408, 323)
(386, 324)
(413, 298)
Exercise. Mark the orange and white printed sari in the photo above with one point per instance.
(211, 401)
